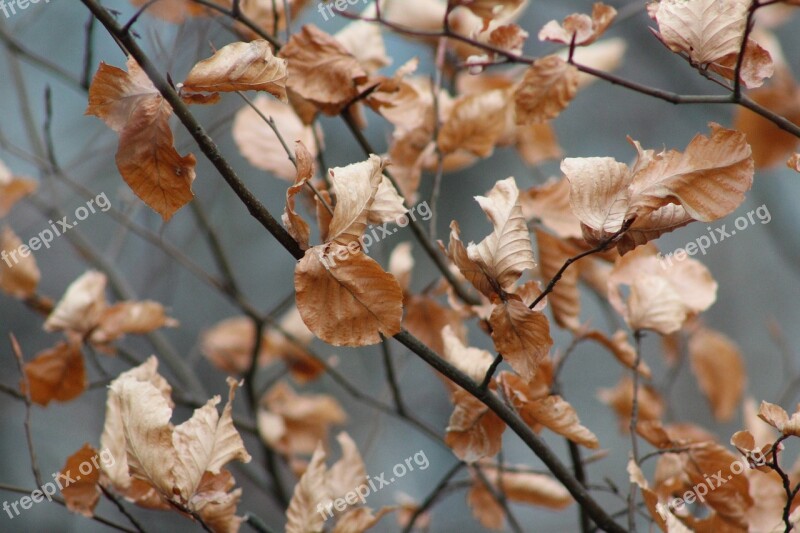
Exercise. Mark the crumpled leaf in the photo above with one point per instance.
(321, 70)
(546, 90)
(507, 251)
(355, 187)
(172, 459)
(302, 515)
(548, 410)
(474, 431)
(297, 227)
(83, 310)
(474, 124)
(775, 416)
(708, 180)
(579, 28)
(474, 362)
(239, 67)
(130, 104)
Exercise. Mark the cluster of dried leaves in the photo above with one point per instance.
(601, 210)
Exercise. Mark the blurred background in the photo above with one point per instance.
(757, 270)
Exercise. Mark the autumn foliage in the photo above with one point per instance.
(485, 325)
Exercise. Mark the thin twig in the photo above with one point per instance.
(37, 474)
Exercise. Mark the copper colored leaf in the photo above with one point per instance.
(474, 431)
(56, 374)
(620, 398)
(82, 495)
(19, 274)
(146, 158)
(321, 69)
(545, 91)
(345, 297)
(720, 371)
(771, 145)
(521, 335)
(578, 28)
(240, 67)
(550, 204)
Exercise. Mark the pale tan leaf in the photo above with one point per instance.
(56, 374)
(491, 9)
(302, 515)
(113, 436)
(348, 472)
(599, 192)
(387, 206)
(756, 66)
(19, 274)
(720, 371)
(258, 143)
(579, 29)
(654, 304)
(521, 335)
(550, 204)
(776, 417)
(359, 520)
(705, 30)
(355, 187)
(474, 362)
(401, 264)
(345, 297)
(205, 443)
(507, 251)
(474, 124)
(82, 305)
(240, 67)
(546, 90)
(365, 42)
